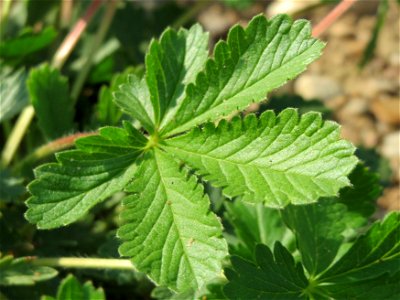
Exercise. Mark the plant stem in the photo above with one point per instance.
(190, 13)
(52, 147)
(73, 36)
(98, 39)
(84, 263)
(6, 5)
(333, 15)
(16, 135)
(66, 13)
(65, 49)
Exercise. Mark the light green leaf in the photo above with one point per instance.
(13, 92)
(244, 69)
(169, 231)
(134, 99)
(375, 253)
(20, 271)
(101, 166)
(171, 64)
(274, 276)
(48, 91)
(27, 43)
(276, 160)
(71, 289)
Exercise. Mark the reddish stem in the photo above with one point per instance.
(73, 36)
(330, 18)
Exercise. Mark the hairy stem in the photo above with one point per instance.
(84, 263)
(51, 148)
(73, 36)
(98, 39)
(333, 15)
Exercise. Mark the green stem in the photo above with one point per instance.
(5, 12)
(98, 39)
(190, 13)
(16, 135)
(84, 263)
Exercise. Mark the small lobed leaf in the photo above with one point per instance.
(244, 69)
(169, 232)
(48, 91)
(21, 271)
(71, 289)
(272, 159)
(101, 166)
(273, 276)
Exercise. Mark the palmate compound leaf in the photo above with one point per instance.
(272, 159)
(169, 231)
(244, 69)
(274, 276)
(101, 166)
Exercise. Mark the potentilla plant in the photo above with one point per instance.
(185, 132)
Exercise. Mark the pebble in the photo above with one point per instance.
(390, 199)
(390, 148)
(317, 87)
(387, 110)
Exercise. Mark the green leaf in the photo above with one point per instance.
(27, 43)
(49, 95)
(244, 69)
(384, 287)
(171, 64)
(20, 271)
(274, 276)
(318, 228)
(276, 160)
(169, 231)
(13, 92)
(252, 225)
(101, 166)
(375, 253)
(71, 289)
(133, 98)
(108, 113)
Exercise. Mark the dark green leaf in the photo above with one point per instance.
(20, 271)
(274, 276)
(252, 225)
(27, 43)
(71, 289)
(49, 95)
(375, 253)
